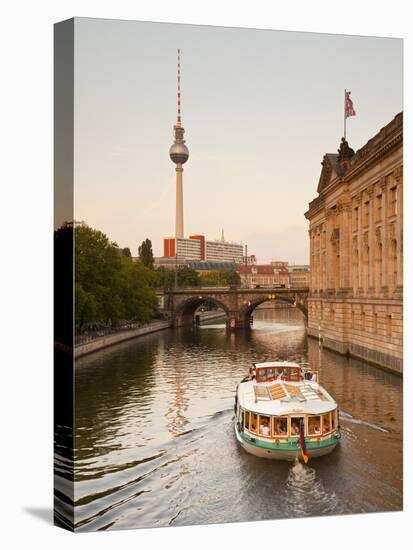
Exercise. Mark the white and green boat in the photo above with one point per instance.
(282, 412)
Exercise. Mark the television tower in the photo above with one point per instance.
(179, 154)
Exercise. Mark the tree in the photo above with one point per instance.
(126, 252)
(109, 287)
(164, 277)
(220, 277)
(187, 276)
(146, 253)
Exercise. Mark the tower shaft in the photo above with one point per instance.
(179, 222)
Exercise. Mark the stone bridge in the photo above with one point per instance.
(180, 304)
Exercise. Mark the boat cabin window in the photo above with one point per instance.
(265, 426)
(287, 373)
(334, 420)
(280, 426)
(295, 426)
(247, 420)
(311, 376)
(293, 375)
(253, 422)
(314, 425)
(261, 375)
(326, 423)
(241, 417)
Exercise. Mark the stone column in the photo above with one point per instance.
(311, 260)
(329, 249)
(385, 249)
(359, 240)
(345, 260)
(370, 193)
(398, 173)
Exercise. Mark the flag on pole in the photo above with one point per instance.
(304, 452)
(349, 107)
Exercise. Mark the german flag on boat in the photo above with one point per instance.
(304, 452)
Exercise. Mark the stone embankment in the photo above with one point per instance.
(122, 336)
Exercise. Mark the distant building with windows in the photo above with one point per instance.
(299, 275)
(263, 275)
(356, 250)
(197, 248)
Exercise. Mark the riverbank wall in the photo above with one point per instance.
(112, 339)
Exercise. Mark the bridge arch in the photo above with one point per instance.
(184, 312)
(246, 311)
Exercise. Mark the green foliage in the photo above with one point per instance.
(165, 278)
(109, 287)
(187, 276)
(220, 277)
(126, 252)
(146, 253)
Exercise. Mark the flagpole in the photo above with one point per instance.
(345, 113)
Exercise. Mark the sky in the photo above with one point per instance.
(260, 109)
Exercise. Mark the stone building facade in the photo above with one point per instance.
(356, 250)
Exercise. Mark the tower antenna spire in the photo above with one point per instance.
(178, 123)
(179, 154)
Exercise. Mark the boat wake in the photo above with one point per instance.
(305, 495)
(348, 418)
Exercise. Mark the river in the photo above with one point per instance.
(155, 444)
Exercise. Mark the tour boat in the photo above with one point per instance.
(282, 412)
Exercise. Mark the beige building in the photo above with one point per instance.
(299, 276)
(356, 250)
(253, 276)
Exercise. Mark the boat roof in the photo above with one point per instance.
(278, 364)
(282, 398)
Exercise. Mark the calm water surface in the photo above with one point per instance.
(155, 444)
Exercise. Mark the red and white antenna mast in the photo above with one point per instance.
(179, 88)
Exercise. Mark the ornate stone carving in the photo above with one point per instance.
(357, 199)
(398, 173)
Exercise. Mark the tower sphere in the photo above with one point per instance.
(179, 153)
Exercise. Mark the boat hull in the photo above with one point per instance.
(285, 451)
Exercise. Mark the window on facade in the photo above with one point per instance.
(393, 201)
(363, 320)
(389, 325)
(378, 207)
(352, 318)
(366, 213)
(326, 423)
(375, 322)
(314, 425)
(355, 218)
(332, 314)
(280, 426)
(265, 428)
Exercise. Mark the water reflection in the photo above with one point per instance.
(155, 443)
